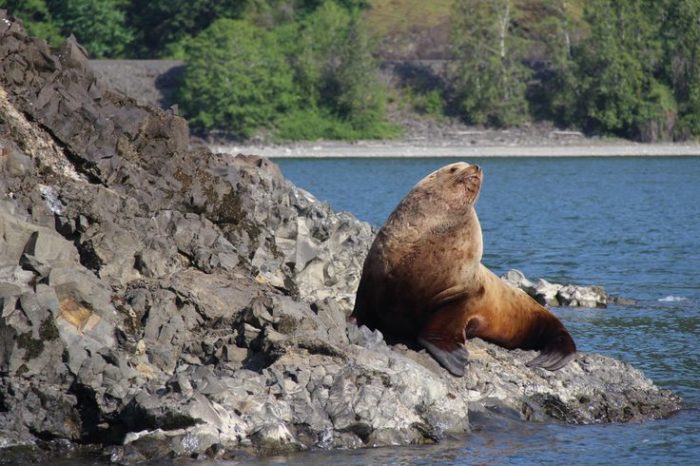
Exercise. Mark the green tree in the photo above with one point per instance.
(36, 18)
(315, 52)
(681, 27)
(336, 78)
(552, 31)
(236, 80)
(615, 67)
(335, 67)
(271, 13)
(158, 24)
(489, 78)
(99, 25)
(359, 98)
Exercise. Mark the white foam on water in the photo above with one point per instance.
(672, 299)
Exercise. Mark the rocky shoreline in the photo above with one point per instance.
(158, 300)
(488, 146)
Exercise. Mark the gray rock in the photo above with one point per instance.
(50, 246)
(590, 389)
(181, 303)
(553, 294)
(363, 336)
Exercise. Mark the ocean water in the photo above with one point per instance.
(631, 225)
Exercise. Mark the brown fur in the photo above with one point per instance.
(423, 279)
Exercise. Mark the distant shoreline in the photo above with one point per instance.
(403, 149)
(154, 82)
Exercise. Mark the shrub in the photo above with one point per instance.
(335, 68)
(312, 124)
(99, 25)
(236, 79)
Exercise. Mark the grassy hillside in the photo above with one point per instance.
(419, 29)
(391, 17)
(409, 29)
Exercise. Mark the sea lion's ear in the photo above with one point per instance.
(454, 360)
(556, 353)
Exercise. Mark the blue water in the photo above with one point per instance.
(631, 225)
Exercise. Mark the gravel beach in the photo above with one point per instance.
(389, 149)
(449, 137)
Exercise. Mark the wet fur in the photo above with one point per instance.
(423, 280)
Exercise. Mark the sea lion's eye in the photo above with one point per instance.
(453, 169)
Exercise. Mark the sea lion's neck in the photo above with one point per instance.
(462, 233)
(476, 237)
(412, 220)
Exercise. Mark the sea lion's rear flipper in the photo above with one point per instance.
(454, 360)
(556, 353)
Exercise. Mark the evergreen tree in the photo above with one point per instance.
(236, 80)
(489, 77)
(615, 69)
(99, 25)
(316, 50)
(271, 13)
(681, 27)
(159, 24)
(335, 68)
(553, 27)
(360, 98)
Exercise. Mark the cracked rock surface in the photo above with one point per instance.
(158, 300)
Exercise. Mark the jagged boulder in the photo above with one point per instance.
(158, 300)
(554, 294)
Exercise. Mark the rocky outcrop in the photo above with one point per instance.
(554, 294)
(159, 300)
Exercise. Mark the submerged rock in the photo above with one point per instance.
(157, 300)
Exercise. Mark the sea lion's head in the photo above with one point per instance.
(440, 204)
(457, 185)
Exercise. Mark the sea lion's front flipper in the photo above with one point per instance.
(556, 353)
(454, 360)
(444, 336)
(447, 296)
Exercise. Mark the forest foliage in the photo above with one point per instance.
(307, 69)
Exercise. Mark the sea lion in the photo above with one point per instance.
(423, 280)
